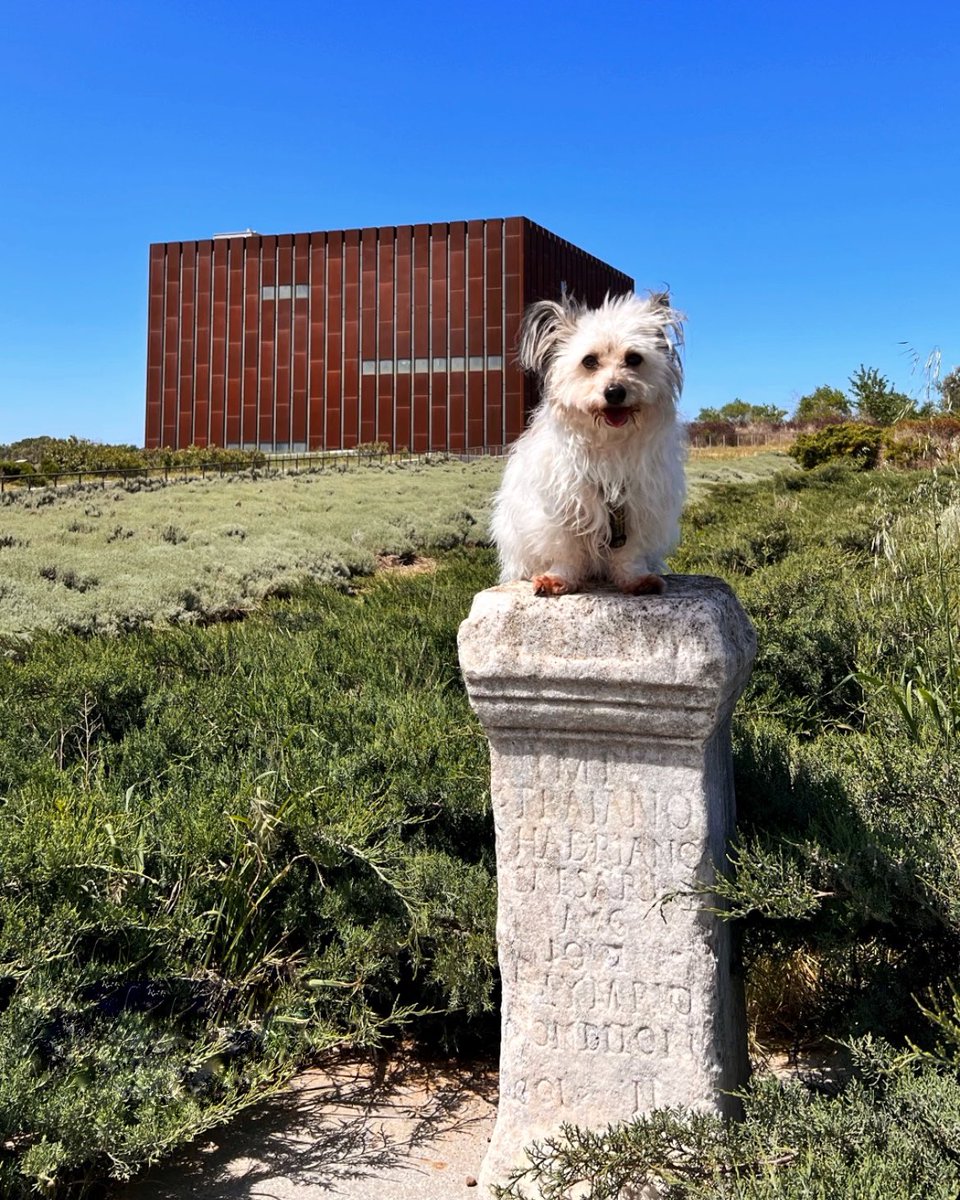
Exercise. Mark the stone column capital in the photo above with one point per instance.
(603, 665)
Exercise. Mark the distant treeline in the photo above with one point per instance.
(870, 398)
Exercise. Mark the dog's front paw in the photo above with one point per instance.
(551, 585)
(644, 585)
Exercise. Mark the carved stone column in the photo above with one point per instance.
(608, 718)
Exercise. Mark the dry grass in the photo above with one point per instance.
(698, 453)
(406, 564)
(120, 556)
(112, 558)
(745, 465)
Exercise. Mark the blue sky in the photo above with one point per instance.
(792, 171)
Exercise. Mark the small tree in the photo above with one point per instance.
(738, 411)
(876, 400)
(767, 414)
(949, 388)
(824, 404)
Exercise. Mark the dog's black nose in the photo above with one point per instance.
(614, 393)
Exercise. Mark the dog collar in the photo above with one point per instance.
(618, 525)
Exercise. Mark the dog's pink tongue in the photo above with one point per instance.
(616, 416)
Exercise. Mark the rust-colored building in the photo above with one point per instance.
(310, 341)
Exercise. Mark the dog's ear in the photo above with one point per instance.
(544, 325)
(669, 320)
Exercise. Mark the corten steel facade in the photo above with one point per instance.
(311, 341)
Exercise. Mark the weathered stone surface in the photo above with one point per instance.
(608, 720)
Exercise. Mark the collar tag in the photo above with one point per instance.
(618, 526)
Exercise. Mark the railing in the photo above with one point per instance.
(340, 460)
(743, 437)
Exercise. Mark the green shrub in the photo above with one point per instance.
(851, 440)
(11, 469)
(63, 455)
(223, 849)
(893, 1131)
(174, 535)
(844, 749)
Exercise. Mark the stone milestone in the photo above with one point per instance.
(608, 720)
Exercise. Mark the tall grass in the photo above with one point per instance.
(912, 670)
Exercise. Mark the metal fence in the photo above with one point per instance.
(339, 460)
(743, 437)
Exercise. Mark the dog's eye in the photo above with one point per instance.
(633, 359)
(591, 362)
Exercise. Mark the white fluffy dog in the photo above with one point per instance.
(594, 487)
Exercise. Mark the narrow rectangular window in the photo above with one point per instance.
(494, 362)
(404, 364)
(421, 364)
(369, 366)
(284, 291)
(268, 292)
(457, 363)
(386, 366)
(301, 291)
(476, 362)
(440, 363)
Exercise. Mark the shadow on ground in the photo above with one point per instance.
(359, 1127)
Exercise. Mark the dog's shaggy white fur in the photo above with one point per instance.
(601, 462)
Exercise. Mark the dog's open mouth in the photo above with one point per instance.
(616, 416)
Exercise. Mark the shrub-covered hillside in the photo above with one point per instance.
(227, 847)
(223, 849)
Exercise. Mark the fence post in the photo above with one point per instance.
(608, 720)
